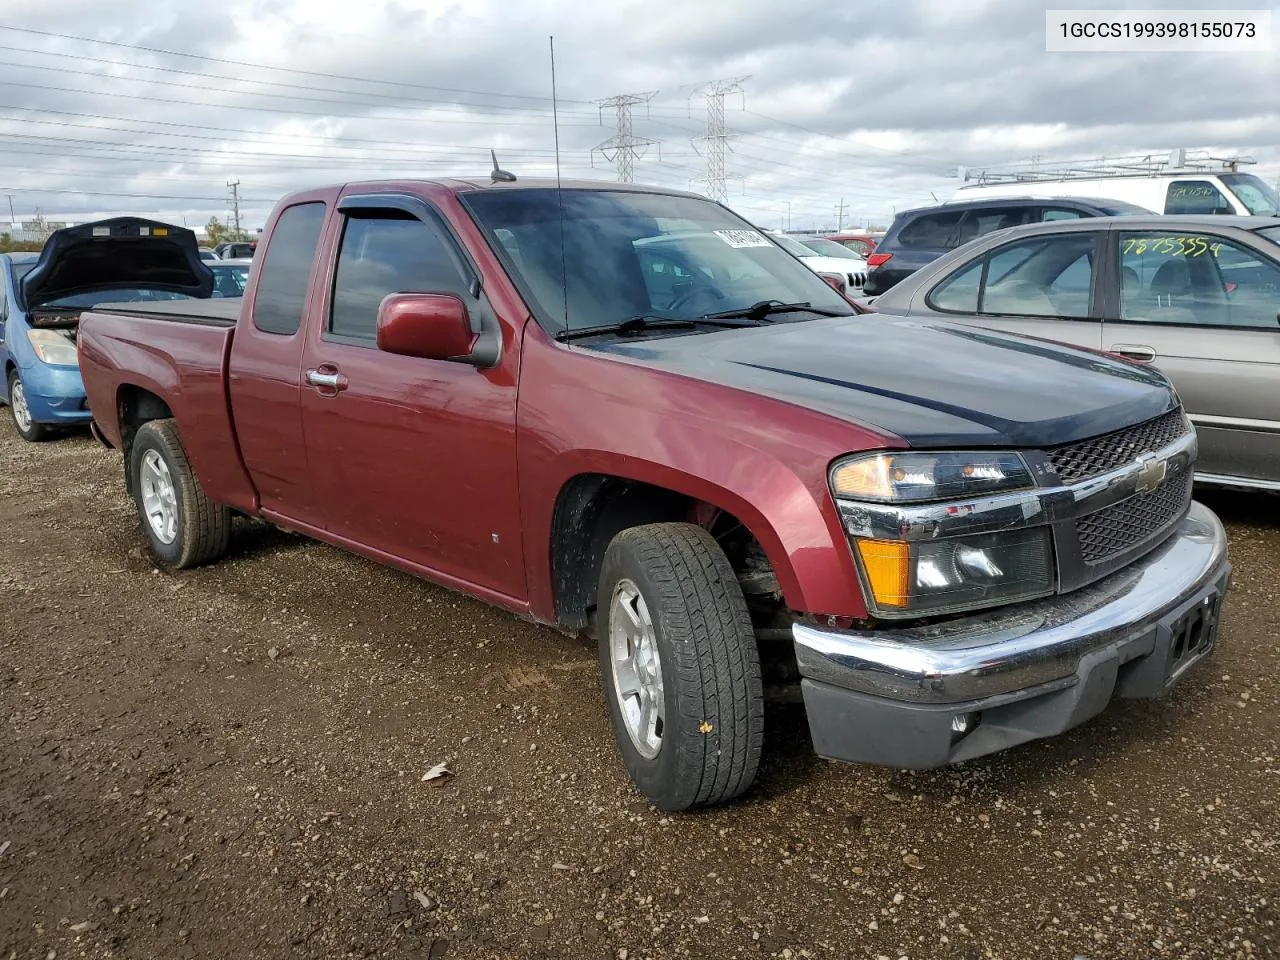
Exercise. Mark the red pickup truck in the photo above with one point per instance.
(624, 410)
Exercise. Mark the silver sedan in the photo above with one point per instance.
(1198, 297)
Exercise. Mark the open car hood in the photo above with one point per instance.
(119, 254)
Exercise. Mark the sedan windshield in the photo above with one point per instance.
(1257, 197)
(829, 248)
(604, 257)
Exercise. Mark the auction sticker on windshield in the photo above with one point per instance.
(743, 238)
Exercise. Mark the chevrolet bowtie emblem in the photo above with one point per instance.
(1151, 472)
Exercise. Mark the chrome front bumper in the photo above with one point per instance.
(1074, 651)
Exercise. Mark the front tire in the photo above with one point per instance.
(679, 666)
(184, 528)
(28, 429)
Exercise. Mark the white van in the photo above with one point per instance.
(1198, 192)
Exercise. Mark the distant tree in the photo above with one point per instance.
(216, 231)
(9, 245)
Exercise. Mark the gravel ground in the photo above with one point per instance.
(229, 763)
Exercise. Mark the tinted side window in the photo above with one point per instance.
(979, 222)
(935, 230)
(959, 292)
(282, 290)
(1195, 196)
(1040, 277)
(383, 254)
(1196, 279)
(1044, 277)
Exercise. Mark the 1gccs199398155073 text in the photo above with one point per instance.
(1154, 31)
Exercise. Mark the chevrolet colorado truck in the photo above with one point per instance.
(625, 411)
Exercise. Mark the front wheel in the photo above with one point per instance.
(679, 666)
(184, 528)
(28, 429)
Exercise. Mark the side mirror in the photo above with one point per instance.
(434, 326)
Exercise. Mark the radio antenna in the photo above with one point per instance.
(555, 123)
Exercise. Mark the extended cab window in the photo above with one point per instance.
(1196, 280)
(282, 290)
(1041, 277)
(1196, 196)
(387, 252)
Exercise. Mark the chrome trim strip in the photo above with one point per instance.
(1026, 646)
(1235, 423)
(1011, 511)
(1243, 483)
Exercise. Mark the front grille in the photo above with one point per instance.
(1112, 531)
(1088, 458)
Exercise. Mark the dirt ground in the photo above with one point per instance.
(229, 763)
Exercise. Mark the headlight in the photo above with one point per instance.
(928, 577)
(912, 476)
(52, 347)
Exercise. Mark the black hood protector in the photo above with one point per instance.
(932, 383)
(119, 254)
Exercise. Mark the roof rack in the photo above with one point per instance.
(1148, 165)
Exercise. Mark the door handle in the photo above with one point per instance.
(1134, 351)
(329, 379)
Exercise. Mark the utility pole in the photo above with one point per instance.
(624, 148)
(12, 218)
(234, 185)
(840, 216)
(716, 139)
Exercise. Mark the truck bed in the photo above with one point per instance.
(177, 350)
(214, 312)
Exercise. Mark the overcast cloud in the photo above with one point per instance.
(873, 103)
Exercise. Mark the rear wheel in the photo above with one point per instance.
(184, 528)
(679, 666)
(28, 429)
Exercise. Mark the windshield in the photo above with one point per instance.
(638, 254)
(1258, 198)
(1118, 208)
(229, 278)
(792, 246)
(829, 248)
(1271, 233)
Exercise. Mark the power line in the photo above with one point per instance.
(291, 111)
(624, 147)
(274, 67)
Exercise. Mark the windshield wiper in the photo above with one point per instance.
(761, 309)
(646, 322)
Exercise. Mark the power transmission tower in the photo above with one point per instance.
(840, 216)
(234, 185)
(624, 148)
(716, 139)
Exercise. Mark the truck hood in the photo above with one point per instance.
(933, 384)
(118, 254)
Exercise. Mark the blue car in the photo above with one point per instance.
(42, 296)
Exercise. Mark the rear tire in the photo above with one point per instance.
(27, 428)
(679, 666)
(184, 528)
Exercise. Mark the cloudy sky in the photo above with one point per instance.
(133, 107)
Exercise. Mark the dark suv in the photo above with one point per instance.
(920, 236)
